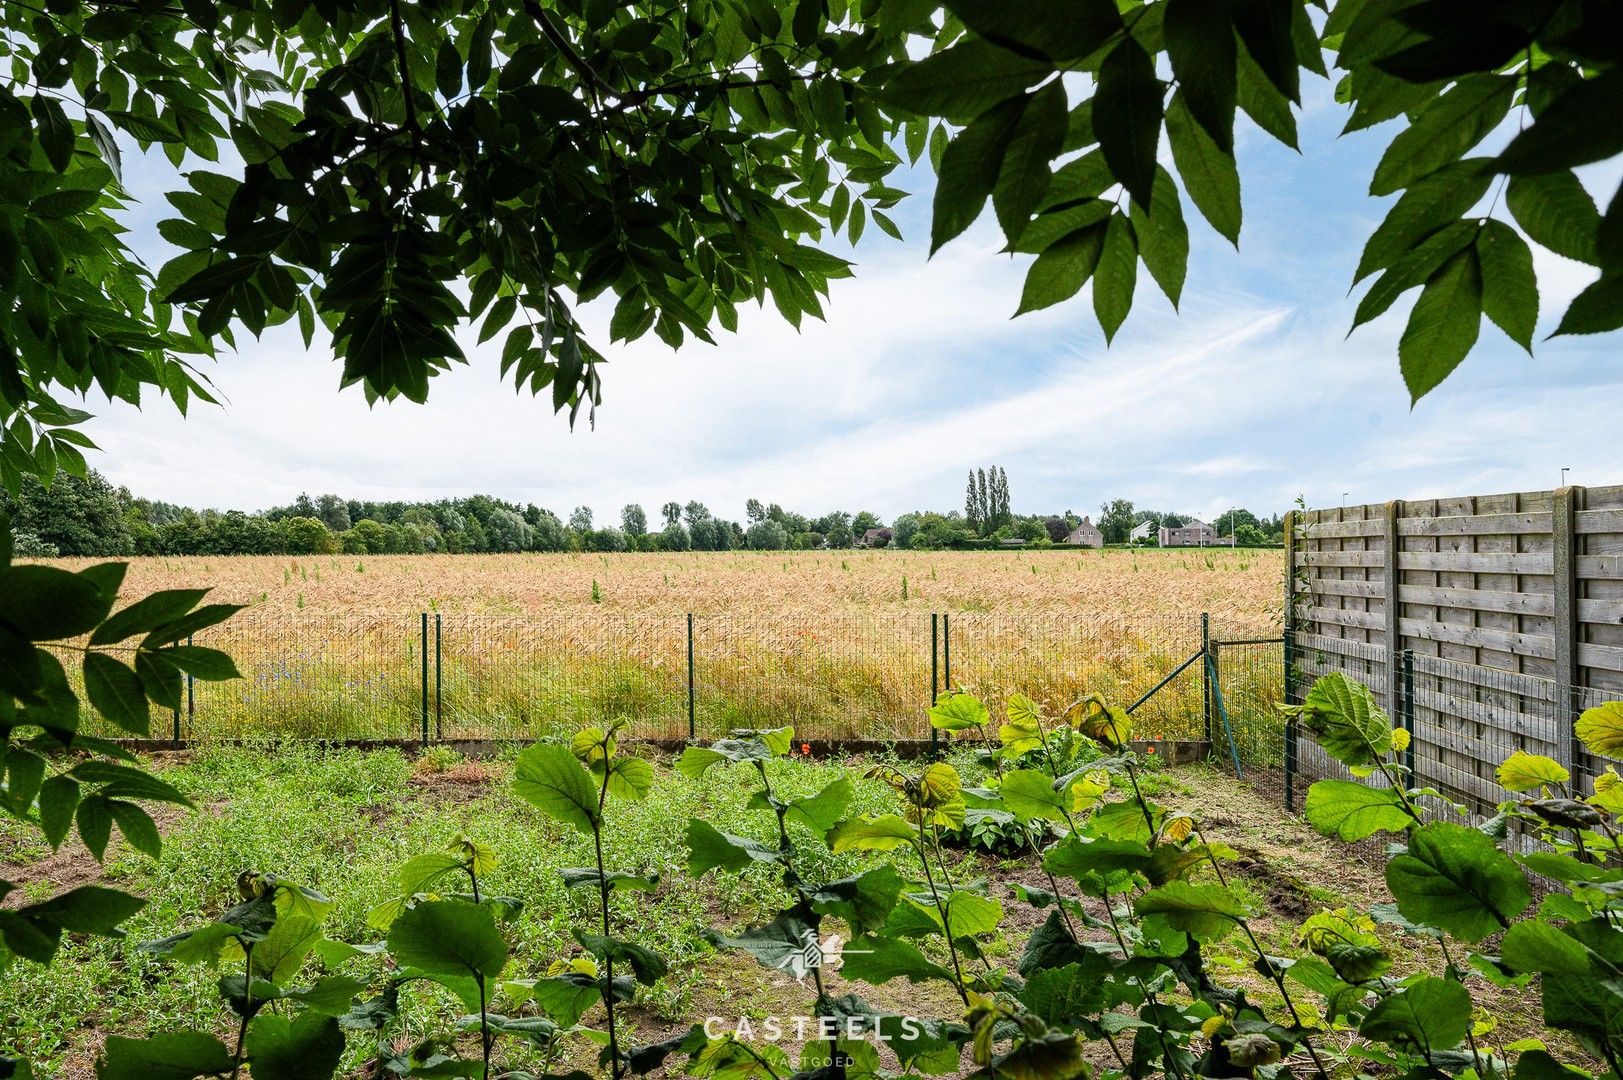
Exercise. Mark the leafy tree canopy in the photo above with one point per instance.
(396, 171)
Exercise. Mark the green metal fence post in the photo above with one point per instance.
(1290, 723)
(692, 725)
(439, 708)
(1408, 711)
(935, 679)
(1206, 673)
(423, 654)
(946, 652)
(191, 701)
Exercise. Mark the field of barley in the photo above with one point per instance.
(840, 644)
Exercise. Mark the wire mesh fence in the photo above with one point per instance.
(844, 677)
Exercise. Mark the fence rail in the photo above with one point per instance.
(855, 677)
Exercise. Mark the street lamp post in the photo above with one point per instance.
(1565, 469)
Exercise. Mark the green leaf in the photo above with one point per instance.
(1509, 289)
(645, 963)
(139, 830)
(822, 811)
(1345, 720)
(864, 901)
(308, 1047)
(1264, 27)
(1127, 116)
(1440, 199)
(1063, 268)
(210, 665)
(1029, 793)
(1107, 862)
(450, 937)
(1205, 912)
(1443, 326)
(958, 712)
(1443, 130)
(116, 692)
(886, 833)
(56, 135)
(548, 777)
(1354, 811)
(630, 778)
(146, 614)
(1557, 212)
(969, 171)
(88, 909)
(1116, 275)
(1601, 728)
(176, 1055)
(1068, 30)
(61, 204)
(58, 797)
(1163, 238)
(878, 960)
(1597, 309)
(280, 956)
(1024, 176)
(1263, 102)
(1428, 1017)
(1209, 175)
(1522, 771)
(1454, 878)
(1531, 945)
(789, 943)
(1200, 44)
(709, 847)
(962, 82)
(44, 603)
(1568, 132)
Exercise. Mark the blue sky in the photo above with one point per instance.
(1251, 395)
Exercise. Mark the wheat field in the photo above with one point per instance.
(841, 644)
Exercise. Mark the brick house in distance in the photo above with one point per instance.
(1194, 533)
(874, 538)
(1086, 534)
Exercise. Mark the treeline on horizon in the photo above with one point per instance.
(88, 516)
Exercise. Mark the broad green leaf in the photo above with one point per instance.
(1596, 310)
(970, 915)
(1440, 199)
(1345, 720)
(1264, 27)
(1566, 133)
(1428, 1017)
(1024, 176)
(1204, 912)
(88, 909)
(962, 82)
(210, 665)
(1029, 793)
(789, 943)
(46, 603)
(280, 956)
(1557, 212)
(1601, 728)
(1413, 268)
(147, 614)
(176, 1055)
(958, 712)
(307, 1047)
(1443, 130)
(618, 880)
(1108, 863)
(549, 778)
(1116, 275)
(1163, 238)
(1522, 771)
(449, 937)
(1209, 175)
(1443, 326)
(1263, 103)
(864, 901)
(878, 960)
(1200, 44)
(1592, 1007)
(822, 811)
(1454, 878)
(630, 778)
(1066, 31)
(116, 692)
(1532, 945)
(645, 964)
(1062, 269)
(1354, 811)
(1127, 116)
(969, 171)
(1509, 288)
(886, 833)
(709, 847)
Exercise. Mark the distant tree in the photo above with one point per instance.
(840, 536)
(1057, 528)
(1227, 522)
(972, 503)
(506, 530)
(308, 536)
(754, 511)
(1249, 535)
(633, 520)
(903, 528)
(705, 532)
(672, 512)
(333, 512)
(1029, 529)
(674, 537)
(609, 539)
(983, 504)
(547, 532)
(695, 511)
(580, 519)
(767, 535)
(864, 521)
(76, 515)
(1116, 520)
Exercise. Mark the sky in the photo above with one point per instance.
(1252, 394)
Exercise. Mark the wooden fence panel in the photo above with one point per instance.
(1511, 604)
